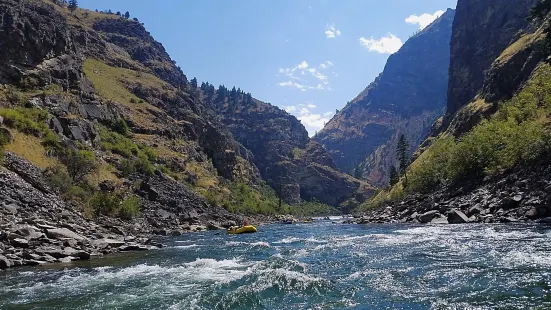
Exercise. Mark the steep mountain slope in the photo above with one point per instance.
(287, 159)
(478, 79)
(481, 31)
(488, 161)
(98, 105)
(406, 98)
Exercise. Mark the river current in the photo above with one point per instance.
(323, 265)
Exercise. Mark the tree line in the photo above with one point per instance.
(222, 94)
(72, 5)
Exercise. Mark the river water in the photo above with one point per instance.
(307, 266)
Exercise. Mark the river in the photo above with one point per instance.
(323, 265)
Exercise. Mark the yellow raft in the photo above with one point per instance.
(234, 230)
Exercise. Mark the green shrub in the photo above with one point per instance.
(33, 122)
(80, 194)
(120, 127)
(104, 203)
(30, 121)
(127, 167)
(129, 208)
(79, 163)
(117, 143)
(139, 158)
(143, 165)
(58, 179)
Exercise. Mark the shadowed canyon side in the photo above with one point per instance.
(406, 98)
(482, 31)
(288, 160)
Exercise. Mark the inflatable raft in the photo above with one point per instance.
(234, 230)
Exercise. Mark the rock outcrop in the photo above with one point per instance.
(481, 31)
(406, 98)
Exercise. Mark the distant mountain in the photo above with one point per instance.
(406, 98)
(282, 150)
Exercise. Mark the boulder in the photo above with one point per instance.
(20, 243)
(176, 232)
(546, 220)
(28, 232)
(132, 247)
(477, 209)
(532, 213)
(428, 216)
(439, 220)
(5, 263)
(63, 233)
(457, 217)
(104, 243)
(67, 259)
(11, 208)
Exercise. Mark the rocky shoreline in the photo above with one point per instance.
(38, 227)
(522, 195)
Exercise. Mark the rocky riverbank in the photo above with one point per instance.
(38, 227)
(518, 196)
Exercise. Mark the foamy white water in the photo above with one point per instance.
(316, 266)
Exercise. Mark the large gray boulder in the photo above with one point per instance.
(428, 216)
(63, 233)
(457, 217)
(5, 263)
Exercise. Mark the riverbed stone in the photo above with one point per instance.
(28, 232)
(439, 220)
(20, 243)
(5, 263)
(428, 216)
(62, 233)
(457, 217)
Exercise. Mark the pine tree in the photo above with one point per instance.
(127, 15)
(402, 151)
(194, 83)
(394, 177)
(73, 5)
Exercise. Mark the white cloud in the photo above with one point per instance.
(318, 75)
(424, 19)
(385, 45)
(302, 73)
(312, 121)
(326, 65)
(293, 85)
(290, 108)
(331, 32)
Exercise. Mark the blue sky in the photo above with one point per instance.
(308, 57)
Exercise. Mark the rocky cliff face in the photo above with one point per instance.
(406, 98)
(287, 159)
(46, 46)
(482, 30)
